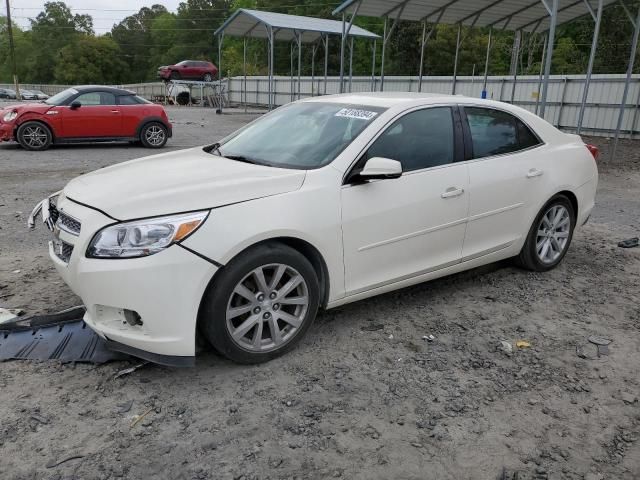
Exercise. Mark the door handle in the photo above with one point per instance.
(115, 111)
(452, 192)
(534, 172)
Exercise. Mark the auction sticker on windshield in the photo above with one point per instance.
(356, 113)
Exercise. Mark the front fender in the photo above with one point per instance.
(54, 124)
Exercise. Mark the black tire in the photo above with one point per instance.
(153, 135)
(174, 75)
(213, 314)
(183, 98)
(207, 77)
(35, 136)
(528, 257)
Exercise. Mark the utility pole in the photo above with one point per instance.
(13, 53)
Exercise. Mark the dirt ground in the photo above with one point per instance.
(363, 396)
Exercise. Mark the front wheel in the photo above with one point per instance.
(550, 236)
(34, 136)
(262, 305)
(153, 135)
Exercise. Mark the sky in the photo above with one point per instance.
(104, 12)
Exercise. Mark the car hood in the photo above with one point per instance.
(178, 181)
(28, 107)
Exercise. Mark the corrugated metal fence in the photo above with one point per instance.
(563, 102)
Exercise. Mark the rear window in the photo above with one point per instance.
(131, 100)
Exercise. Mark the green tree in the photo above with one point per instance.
(90, 60)
(52, 30)
(133, 35)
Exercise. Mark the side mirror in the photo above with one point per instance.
(379, 168)
(75, 104)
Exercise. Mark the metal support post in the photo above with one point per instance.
(515, 57)
(592, 56)
(373, 66)
(544, 51)
(384, 51)
(346, 28)
(553, 12)
(486, 65)
(299, 40)
(244, 71)
(455, 64)
(313, 67)
(220, 95)
(326, 61)
(350, 64)
(625, 93)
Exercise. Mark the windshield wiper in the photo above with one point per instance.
(241, 158)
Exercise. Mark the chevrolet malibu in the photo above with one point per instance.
(320, 203)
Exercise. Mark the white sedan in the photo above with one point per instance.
(320, 203)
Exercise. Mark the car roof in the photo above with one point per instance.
(391, 99)
(103, 88)
(400, 101)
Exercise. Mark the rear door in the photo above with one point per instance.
(98, 116)
(508, 178)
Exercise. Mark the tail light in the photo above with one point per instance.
(595, 151)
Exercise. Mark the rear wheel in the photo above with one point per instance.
(207, 77)
(153, 135)
(34, 136)
(550, 236)
(262, 305)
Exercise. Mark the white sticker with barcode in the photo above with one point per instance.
(356, 113)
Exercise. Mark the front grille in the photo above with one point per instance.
(68, 224)
(63, 250)
(53, 211)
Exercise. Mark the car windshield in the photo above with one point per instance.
(301, 135)
(62, 97)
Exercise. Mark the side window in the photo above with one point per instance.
(526, 138)
(493, 132)
(89, 98)
(97, 98)
(420, 139)
(128, 100)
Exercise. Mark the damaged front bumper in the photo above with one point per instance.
(145, 306)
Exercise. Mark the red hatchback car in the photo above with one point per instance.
(189, 70)
(86, 114)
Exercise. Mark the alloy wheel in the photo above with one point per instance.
(267, 307)
(553, 234)
(35, 136)
(154, 135)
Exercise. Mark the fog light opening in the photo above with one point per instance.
(133, 318)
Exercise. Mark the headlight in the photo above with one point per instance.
(9, 116)
(143, 237)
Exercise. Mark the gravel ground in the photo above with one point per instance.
(363, 396)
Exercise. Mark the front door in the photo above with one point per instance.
(396, 229)
(97, 116)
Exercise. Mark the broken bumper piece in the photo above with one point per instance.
(62, 336)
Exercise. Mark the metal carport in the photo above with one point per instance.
(516, 15)
(296, 29)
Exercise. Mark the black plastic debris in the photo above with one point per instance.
(62, 336)
(629, 243)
